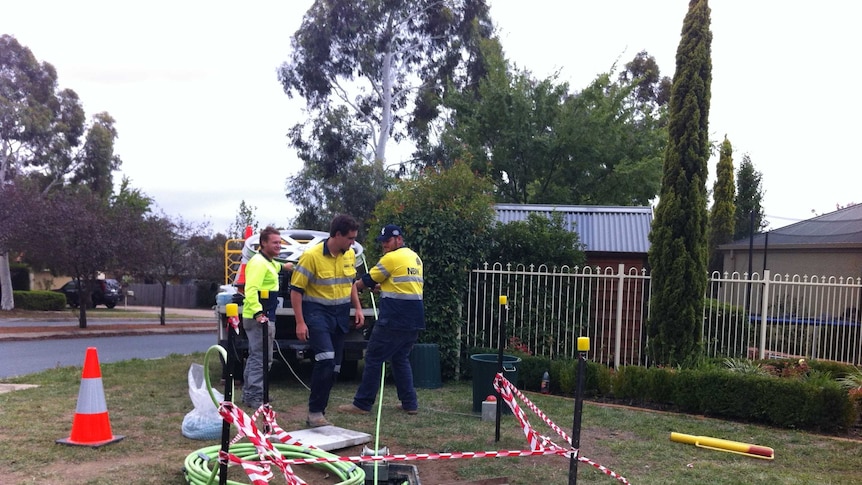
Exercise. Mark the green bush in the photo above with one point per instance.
(791, 402)
(39, 300)
(530, 371)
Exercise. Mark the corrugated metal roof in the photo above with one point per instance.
(616, 229)
(843, 226)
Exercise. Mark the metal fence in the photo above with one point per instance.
(547, 309)
(176, 296)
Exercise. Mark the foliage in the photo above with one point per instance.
(86, 237)
(541, 144)
(97, 157)
(789, 401)
(370, 72)
(162, 252)
(749, 200)
(245, 216)
(678, 251)
(39, 300)
(446, 216)
(852, 381)
(527, 242)
(131, 200)
(40, 140)
(41, 123)
(723, 212)
(745, 366)
(354, 189)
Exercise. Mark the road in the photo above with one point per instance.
(30, 356)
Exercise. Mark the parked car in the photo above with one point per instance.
(106, 292)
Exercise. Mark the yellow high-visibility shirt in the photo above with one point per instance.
(261, 273)
(323, 277)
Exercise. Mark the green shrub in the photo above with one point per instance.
(530, 371)
(804, 401)
(39, 300)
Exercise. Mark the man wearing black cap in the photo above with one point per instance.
(398, 275)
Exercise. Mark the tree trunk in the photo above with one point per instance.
(7, 302)
(82, 312)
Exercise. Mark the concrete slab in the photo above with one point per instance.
(15, 387)
(330, 438)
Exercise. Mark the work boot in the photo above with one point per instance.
(316, 420)
(351, 409)
(408, 411)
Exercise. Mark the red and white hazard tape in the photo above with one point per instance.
(260, 474)
(506, 390)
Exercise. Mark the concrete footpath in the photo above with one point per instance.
(122, 320)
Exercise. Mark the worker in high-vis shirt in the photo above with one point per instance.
(321, 293)
(398, 276)
(261, 275)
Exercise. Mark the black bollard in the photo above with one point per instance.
(583, 348)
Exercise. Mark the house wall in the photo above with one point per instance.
(613, 260)
(838, 262)
(44, 280)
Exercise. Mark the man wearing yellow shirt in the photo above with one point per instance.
(321, 293)
(261, 274)
(399, 275)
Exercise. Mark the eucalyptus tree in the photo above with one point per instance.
(678, 251)
(372, 72)
(723, 212)
(39, 124)
(97, 160)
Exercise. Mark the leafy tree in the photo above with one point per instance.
(447, 217)
(354, 189)
(245, 216)
(541, 144)
(371, 72)
(528, 242)
(40, 135)
(38, 124)
(749, 200)
(97, 158)
(209, 250)
(164, 253)
(130, 199)
(723, 212)
(678, 251)
(74, 232)
(652, 89)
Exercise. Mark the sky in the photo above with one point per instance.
(202, 118)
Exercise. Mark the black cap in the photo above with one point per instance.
(389, 231)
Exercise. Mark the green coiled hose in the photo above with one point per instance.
(197, 464)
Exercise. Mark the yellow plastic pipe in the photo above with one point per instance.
(754, 451)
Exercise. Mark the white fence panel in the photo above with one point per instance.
(744, 316)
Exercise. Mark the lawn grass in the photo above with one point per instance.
(147, 400)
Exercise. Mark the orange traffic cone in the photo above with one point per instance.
(91, 426)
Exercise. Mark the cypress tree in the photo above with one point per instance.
(678, 252)
(749, 200)
(722, 215)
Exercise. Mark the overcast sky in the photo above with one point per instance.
(202, 117)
